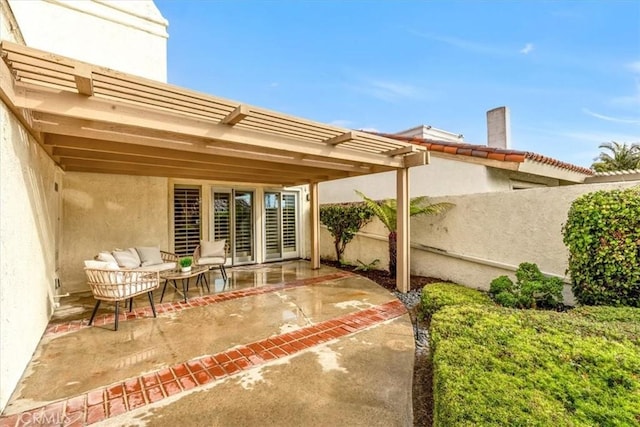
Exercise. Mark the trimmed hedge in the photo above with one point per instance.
(438, 295)
(501, 367)
(602, 234)
(609, 314)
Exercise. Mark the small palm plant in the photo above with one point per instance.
(387, 213)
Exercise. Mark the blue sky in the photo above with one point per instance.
(568, 70)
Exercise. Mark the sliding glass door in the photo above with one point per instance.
(281, 225)
(233, 220)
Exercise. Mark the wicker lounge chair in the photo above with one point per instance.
(115, 285)
(212, 254)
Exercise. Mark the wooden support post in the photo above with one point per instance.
(403, 232)
(315, 225)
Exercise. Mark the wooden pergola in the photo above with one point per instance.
(93, 119)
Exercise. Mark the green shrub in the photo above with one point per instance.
(609, 314)
(186, 261)
(531, 290)
(343, 222)
(494, 366)
(438, 295)
(602, 234)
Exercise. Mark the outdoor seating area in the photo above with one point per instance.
(269, 331)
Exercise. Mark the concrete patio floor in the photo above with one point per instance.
(277, 344)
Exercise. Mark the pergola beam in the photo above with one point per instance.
(340, 139)
(401, 150)
(120, 114)
(84, 80)
(236, 116)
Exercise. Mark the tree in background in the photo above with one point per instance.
(387, 213)
(343, 222)
(617, 157)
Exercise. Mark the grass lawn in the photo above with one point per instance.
(502, 367)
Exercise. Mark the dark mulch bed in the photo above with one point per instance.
(422, 372)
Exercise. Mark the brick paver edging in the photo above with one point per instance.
(116, 399)
(172, 307)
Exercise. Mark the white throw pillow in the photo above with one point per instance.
(126, 259)
(212, 249)
(149, 256)
(106, 257)
(134, 252)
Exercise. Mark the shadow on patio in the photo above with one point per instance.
(277, 344)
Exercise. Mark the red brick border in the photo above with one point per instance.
(115, 399)
(172, 307)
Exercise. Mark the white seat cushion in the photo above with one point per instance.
(211, 260)
(90, 263)
(159, 267)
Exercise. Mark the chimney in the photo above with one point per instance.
(499, 128)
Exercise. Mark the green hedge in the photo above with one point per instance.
(438, 295)
(500, 367)
(602, 234)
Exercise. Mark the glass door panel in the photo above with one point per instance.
(186, 219)
(243, 218)
(272, 226)
(233, 220)
(289, 224)
(221, 216)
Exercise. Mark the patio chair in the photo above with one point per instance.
(120, 285)
(212, 254)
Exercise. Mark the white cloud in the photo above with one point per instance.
(527, 48)
(635, 67)
(610, 118)
(599, 137)
(341, 123)
(386, 90)
(468, 45)
(369, 129)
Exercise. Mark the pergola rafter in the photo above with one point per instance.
(93, 119)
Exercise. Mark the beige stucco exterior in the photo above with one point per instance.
(33, 252)
(442, 176)
(483, 236)
(28, 212)
(126, 36)
(103, 212)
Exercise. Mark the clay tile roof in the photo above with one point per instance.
(492, 153)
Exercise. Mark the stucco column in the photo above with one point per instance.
(402, 257)
(315, 225)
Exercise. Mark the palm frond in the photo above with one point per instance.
(387, 210)
(379, 211)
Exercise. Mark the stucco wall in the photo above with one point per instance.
(129, 36)
(28, 206)
(438, 178)
(104, 212)
(483, 236)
